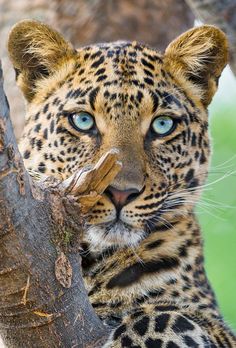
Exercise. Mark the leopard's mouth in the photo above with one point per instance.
(114, 233)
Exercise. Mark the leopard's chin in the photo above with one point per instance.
(113, 234)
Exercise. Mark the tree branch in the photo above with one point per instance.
(221, 13)
(43, 302)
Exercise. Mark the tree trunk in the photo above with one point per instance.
(221, 13)
(150, 21)
(43, 302)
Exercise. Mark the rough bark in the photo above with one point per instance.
(43, 302)
(221, 13)
(154, 22)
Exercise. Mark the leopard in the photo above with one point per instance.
(142, 248)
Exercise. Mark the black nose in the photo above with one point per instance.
(121, 198)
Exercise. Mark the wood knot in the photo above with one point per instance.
(63, 270)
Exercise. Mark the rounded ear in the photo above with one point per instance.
(199, 55)
(36, 51)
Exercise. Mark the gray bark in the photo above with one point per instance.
(154, 22)
(43, 302)
(221, 13)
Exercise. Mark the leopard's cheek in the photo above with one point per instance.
(103, 212)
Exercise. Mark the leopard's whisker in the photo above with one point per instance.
(222, 165)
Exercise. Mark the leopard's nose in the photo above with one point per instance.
(121, 198)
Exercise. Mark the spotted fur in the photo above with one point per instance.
(143, 266)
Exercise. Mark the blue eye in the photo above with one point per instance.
(82, 121)
(163, 125)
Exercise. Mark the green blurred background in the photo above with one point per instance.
(219, 221)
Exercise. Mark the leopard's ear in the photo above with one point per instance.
(198, 55)
(36, 51)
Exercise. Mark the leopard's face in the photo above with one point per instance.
(123, 97)
(150, 107)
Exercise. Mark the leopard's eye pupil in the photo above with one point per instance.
(83, 121)
(162, 125)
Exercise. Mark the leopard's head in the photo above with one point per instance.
(152, 107)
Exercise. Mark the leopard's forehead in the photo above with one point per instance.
(121, 54)
(122, 68)
(115, 80)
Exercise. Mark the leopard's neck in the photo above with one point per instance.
(166, 267)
